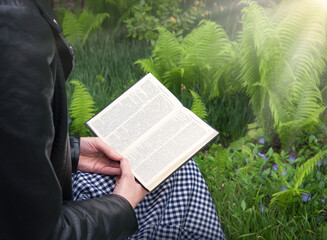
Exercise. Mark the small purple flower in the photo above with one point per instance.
(284, 188)
(323, 199)
(275, 167)
(261, 155)
(262, 208)
(320, 218)
(319, 163)
(306, 197)
(263, 177)
(262, 140)
(292, 158)
(325, 161)
(285, 172)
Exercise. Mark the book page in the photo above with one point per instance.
(133, 113)
(163, 149)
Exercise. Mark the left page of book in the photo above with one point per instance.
(123, 123)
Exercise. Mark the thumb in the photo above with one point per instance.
(106, 149)
(125, 167)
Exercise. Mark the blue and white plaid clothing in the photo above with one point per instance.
(180, 208)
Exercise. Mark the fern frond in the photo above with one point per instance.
(306, 168)
(282, 61)
(91, 22)
(207, 55)
(202, 60)
(82, 109)
(72, 29)
(78, 27)
(284, 198)
(148, 65)
(167, 52)
(198, 106)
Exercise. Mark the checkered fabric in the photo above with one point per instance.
(180, 208)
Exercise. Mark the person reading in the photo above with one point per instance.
(41, 199)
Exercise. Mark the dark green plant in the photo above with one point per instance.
(119, 10)
(82, 109)
(148, 16)
(283, 55)
(77, 27)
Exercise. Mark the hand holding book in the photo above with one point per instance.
(148, 125)
(97, 157)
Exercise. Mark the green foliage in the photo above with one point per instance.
(287, 197)
(201, 61)
(307, 167)
(81, 110)
(148, 16)
(198, 106)
(283, 56)
(244, 183)
(119, 10)
(77, 27)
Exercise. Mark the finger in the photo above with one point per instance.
(125, 167)
(113, 164)
(110, 171)
(106, 149)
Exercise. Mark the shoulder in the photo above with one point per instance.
(21, 13)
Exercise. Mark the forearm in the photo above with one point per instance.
(108, 217)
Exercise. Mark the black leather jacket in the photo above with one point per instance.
(35, 156)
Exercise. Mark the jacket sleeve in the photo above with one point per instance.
(75, 150)
(31, 205)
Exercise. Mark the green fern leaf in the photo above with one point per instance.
(82, 108)
(283, 56)
(148, 65)
(306, 168)
(198, 106)
(285, 198)
(202, 60)
(77, 27)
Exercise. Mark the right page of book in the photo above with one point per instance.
(165, 148)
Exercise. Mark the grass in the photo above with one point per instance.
(107, 67)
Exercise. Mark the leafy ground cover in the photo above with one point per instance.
(246, 181)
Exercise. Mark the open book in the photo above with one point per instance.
(148, 125)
